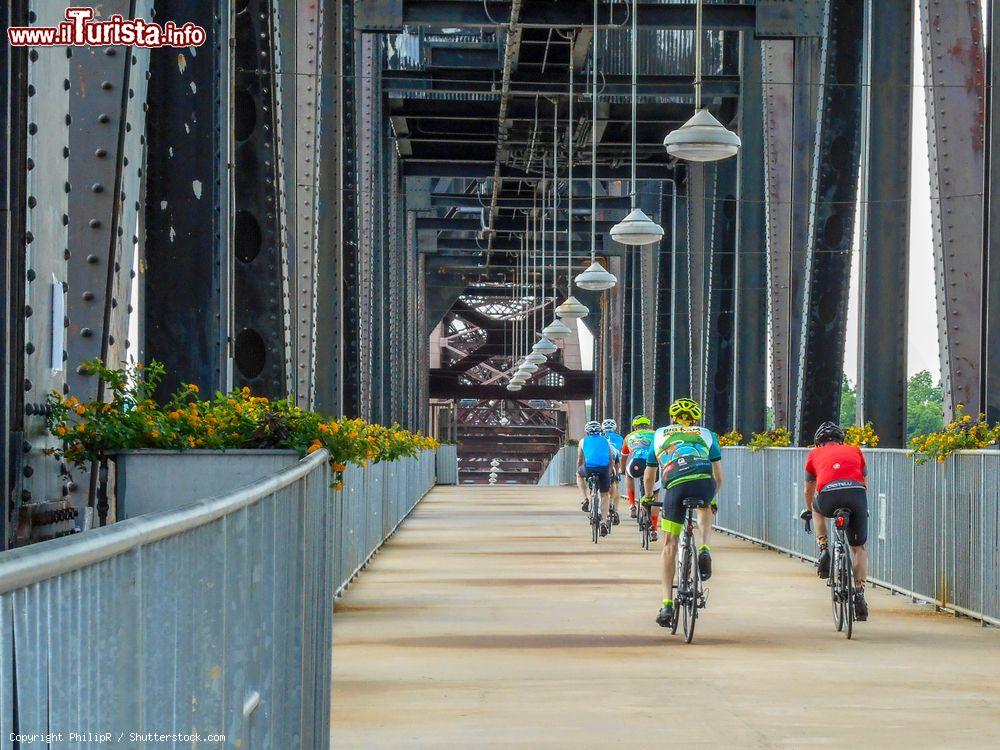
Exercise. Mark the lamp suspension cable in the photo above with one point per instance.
(569, 190)
(593, 147)
(635, 97)
(697, 55)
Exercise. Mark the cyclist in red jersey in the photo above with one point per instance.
(836, 477)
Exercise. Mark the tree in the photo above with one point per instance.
(924, 405)
(848, 404)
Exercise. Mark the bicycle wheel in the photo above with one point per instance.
(683, 573)
(835, 592)
(595, 516)
(848, 594)
(693, 593)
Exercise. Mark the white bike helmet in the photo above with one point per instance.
(592, 428)
(609, 425)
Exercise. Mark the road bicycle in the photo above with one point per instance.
(841, 580)
(645, 518)
(689, 596)
(595, 506)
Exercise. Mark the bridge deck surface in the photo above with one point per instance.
(491, 621)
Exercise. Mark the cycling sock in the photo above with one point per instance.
(668, 602)
(704, 548)
(822, 541)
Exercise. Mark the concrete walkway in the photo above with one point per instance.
(491, 621)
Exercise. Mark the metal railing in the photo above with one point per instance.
(214, 619)
(933, 529)
(561, 469)
(447, 464)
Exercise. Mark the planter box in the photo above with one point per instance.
(147, 481)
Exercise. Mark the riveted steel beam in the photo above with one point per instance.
(484, 170)
(350, 361)
(107, 122)
(749, 375)
(336, 202)
(13, 278)
(555, 83)
(991, 296)
(885, 217)
(680, 337)
(188, 251)
(779, 101)
(570, 14)
(720, 377)
(954, 72)
(700, 187)
(832, 206)
(260, 334)
(45, 245)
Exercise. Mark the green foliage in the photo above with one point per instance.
(848, 404)
(924, 406)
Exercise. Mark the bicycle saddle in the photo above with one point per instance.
(696, 502)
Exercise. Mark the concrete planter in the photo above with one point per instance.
(147, 481)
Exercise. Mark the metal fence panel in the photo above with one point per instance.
(934, 529)
(213, 618)
(447, 464)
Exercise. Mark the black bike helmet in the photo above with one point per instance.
(829, 432)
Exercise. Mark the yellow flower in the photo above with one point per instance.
(193, 388)
(81, 409)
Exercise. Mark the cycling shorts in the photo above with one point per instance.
(672, 517)
(854, 499)
(603, 474)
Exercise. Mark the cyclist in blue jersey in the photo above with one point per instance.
(596, 458)
(610, 429)
(689, 463)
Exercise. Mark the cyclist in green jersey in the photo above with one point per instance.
(689, 464)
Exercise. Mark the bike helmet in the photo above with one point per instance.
(592, 428)
(640, 420)
(609, 425)
(685, 407)
(829, 432)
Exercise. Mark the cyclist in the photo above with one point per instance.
(609, 428)
(595, 457)
(636, 455)
(836, 477)
(689, 461)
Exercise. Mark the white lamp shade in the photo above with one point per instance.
(495, 462)
(514, 387)
(556, 330)
(635, 229)
(528, 367)
(536, 358)
(544, 346)
(493, 480)
(702, 138)
(596, 278)
(571, 309)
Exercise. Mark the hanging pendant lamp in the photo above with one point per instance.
(596, 278)
(536, 358)
(702, 138)
(636, 228)
(544, 346)
(572, 308)
(528, 368)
